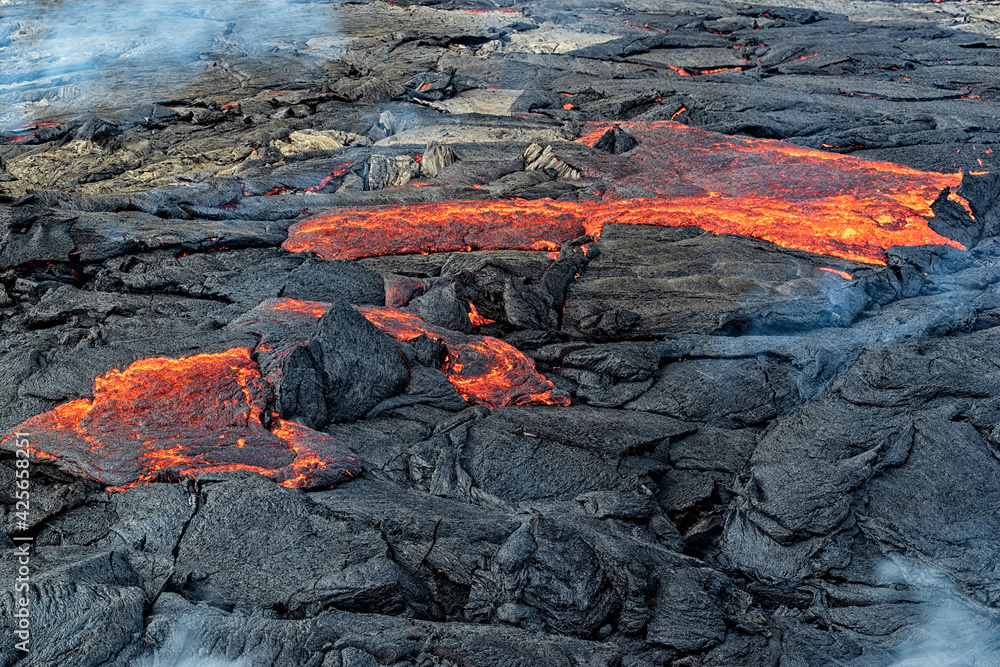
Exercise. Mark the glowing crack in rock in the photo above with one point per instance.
(795, 197)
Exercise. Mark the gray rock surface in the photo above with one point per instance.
(764, 463)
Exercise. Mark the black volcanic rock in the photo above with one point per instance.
(616, 141)
(346, 368)
(331, 281)
(368, 581)
(685, 280)
(771, 456)
(896, 412)
(982, 191)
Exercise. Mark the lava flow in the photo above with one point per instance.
(826, 203)
(484, 370)
(437, 227)
(183, 416)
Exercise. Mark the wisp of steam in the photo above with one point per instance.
(953, 631)
(182, 650)
(77, 56)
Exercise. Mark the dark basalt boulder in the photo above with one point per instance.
(685, 280)
(616, 141)
(345, 369)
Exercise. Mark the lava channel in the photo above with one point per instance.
(795, 197)
(161, 418)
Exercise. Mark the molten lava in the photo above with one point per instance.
(482, 369)
(685, 71)
(186, 416)
(796, 197)
(843, 274)
(829, 226)
(436, 227)
(476, 319)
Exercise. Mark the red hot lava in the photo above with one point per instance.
(437, 227)
(796, 197)
(484, 370)
(190, 415)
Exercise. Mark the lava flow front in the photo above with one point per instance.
(796, 197)
(190, 415)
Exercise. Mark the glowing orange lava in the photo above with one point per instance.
(482, 369)
(477, 319)
(796, 197)
(436, 227)
(685, 71)
(320, 459)
(190, 415)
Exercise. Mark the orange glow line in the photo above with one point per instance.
(680, 70)
(843, 274)
(683, 71)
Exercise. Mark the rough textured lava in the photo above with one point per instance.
(486, 333)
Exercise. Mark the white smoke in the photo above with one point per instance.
(77, 55)
(181, 650)
(953, 632)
